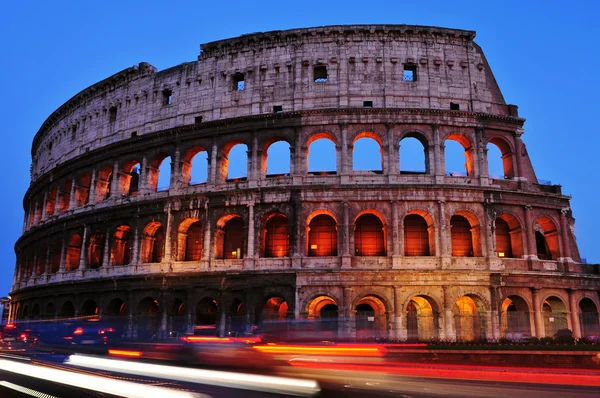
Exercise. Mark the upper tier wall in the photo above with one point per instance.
(363, 63)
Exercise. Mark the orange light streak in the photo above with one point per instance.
(124, 353)
(363, 351)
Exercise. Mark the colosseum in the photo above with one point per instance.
(387, 252)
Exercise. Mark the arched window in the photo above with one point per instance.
(164, 175)
(51, 201)
(42, 258)
(55, 256)
(321, 156)
(369, 236)
(416, 236)
(89, 308)
(500, 159)
(96, 249)
(206, 311)
(121, 246)
(65, 195)
(153, 242)
(459, 156)
(234, 238)
(547, 239)
(503, 241)
(462, 239)
(277, 237)
(367, 154)
(103, 183)
(134, 180)
(236, 162)
(193, 242)
(198, 168)
(82, 189)
(413, 156)
(73, 253)
(322, 236)
(276, 159)
(495, 166)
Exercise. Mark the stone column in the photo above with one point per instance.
(444, 236)
(82, 255)
(495, 311)
(564, 233)
(73, 193)
(538, 315)
(143, 183)
(439, 169)
(47, 265)
(393, 162)
(106, 253)
(213, 167)
(530, 234)
(115, 186)
(481, 151)
(92, 191)
(346, 253)
(168, 258)
(574, 311)
(349, 314)
(207, 247)
(175, 178)
(345, 157)
(134, 259)
(250, 251)
(57, 201)
(292, 160)
(399, 324)
(395, 229)
(518, 154)
(63, 253)
(449, 332)
(44, 213)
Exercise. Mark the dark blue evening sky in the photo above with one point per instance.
(544, 54)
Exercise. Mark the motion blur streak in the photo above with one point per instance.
(95, 383)
(123, 353)
(331, 351)
(25, 390)
(282, 385)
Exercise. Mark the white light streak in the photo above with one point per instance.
(25, 390)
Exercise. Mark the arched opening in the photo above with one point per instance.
(324, 310)
(73, 253)
(35, 311)
(555, 315)
(65, 195)
(96, 249)
(462, 239)
(321, 155)
(237, 317)
(25, 313)
(500, 161)
(50, 311)
(159, 173)
(147, 318)
(546, 239)
(67, 310)
(422, 319)
(275, 309)
(458, 153)
(39, 205)
(276, 159)
(178, 317)
(277, 236)
(417, 239)
(121, 246)
(207, 311)
(469, 320)
(235, 162)
(116, 307)
(82, 189)
(367, 153)
(42, 259)
(89, 308)
(194, 168)
(103, 183)
(509, 236)
(51, 201)
(588, 318)
(370, 318)
(230, 237)
(516, 322)
(189, 240)
(55, 254)
(129, 179)
(153, 243)
(413, 155)
(369, 236)
(322, 236)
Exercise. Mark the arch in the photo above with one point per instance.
(455, 154)
(419, 235)
(96, 249)
(230, 237)
(371, 319)
(516, 320)
(116, 307)
(73, 253)
(322, 234)
(153, 243)
(325, 310)
(505, 161)
(148, 305)
(147, 317)
(469, 319)
(25, 312)
(234, 161)
(51, 200)
(276, 158)
(555, 315)
(82, 188)
(35, 311)
(103, 183)
(464, 235)
(194, 167)
(55, 254)
(588, 318)
(207, 311)
(546, 238)
(42, 259)
(49, 310)
(64, 195)
(274, 308)
(422, 318)
(369, 234)
(189, 240)
(121, 246)
(67, 310)
(367, 148)
(129, 178)
(159, 173)
(509, 236)
(89, 308)
(237, 316)
(276, 236)
(413, 150)
(321, 154)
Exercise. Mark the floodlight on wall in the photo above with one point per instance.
(500, 254)
(313, 247)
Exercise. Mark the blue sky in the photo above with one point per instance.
(544, 55)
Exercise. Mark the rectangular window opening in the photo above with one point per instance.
(112, 114)
(277, 109)
(410, 73)
(239, 83)
(367, 104)
(198, 120)
(320, 73)
(454, 107)
(167, 97)
(133, 134)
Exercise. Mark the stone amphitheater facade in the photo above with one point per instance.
(384, 253)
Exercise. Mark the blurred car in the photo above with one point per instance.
(17, 336)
